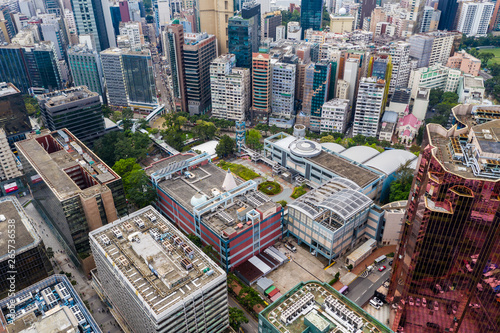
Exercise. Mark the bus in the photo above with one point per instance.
(344, 290)
(380, 259)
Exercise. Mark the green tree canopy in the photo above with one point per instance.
(138, 188)
(253, 139)
(236, 318)
(225, 147)
(125, 166)
(115, 146)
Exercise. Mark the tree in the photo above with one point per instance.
(435, 96)
(274, 129)
(485, 57)
(327, 138)
(195, 239)
(32, 106)
(401, 186)
(138, 188)
(236, 318)
(204, 130)
(106, 111)
(115, 146)
(253, 139)
(125, 166)
(127, 116)
(225, 147)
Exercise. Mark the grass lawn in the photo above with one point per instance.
(496, 52)
(238, 169)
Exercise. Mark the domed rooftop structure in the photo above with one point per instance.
(360, 154)
(305, 148)
(198, 199)
(342, 11)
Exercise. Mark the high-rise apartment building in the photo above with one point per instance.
(465, 62)
(270, 22)
(134, 32)
(335, 116)
(400, 58)
(342, 90)
(351, 71)
(430, 19)
(261, 87)
(73, 187)
(86, 68)
(437, 76)
(94, 17)
(431, 48)
(52, 29)
(156, 279)
(230, 88)
(311, 15)
(316, 90)
(283, 89)
(369, 106)
(77, 109)
(199, 51)
(31, 261)
(129, 78)
(475, 17)
(14, 118)
(8, 163)
(213, 17)
(448, 255)
(449, 8)
(173, 42)
(244, 34)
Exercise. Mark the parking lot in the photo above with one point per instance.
(302, 267)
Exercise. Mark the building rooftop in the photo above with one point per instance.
(63, 310)
(360, 154)
(60, 97)
(202, 187)
(26, 236)
(155, 259)
(391, 160)
(56, 156)
(401, 96)
(320, 308)
(13, 115)
(473, 81)
(479, 144)
(344, 168)
(7, 89)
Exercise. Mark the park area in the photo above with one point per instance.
(495, 51)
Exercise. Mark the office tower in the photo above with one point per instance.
(261, 87)
(8, 24)
(430, 19)
(316, 90)
(229, 225)
(351, 70)
(158, 283)
(449, 8)
(449, 248)
(213, 16)
(199, 51)
(129, 78)
(271, 21)
(27, 7)
(475, 17)
(112, 68)
(63, 309)
(369, 106)
(294, 31)
(53, 30)
(124, 11)
(431, 48)
(31, 261)
(335, 116)
(94, 17)
(86, 68)
(311, 15)
(77, 109)
(173, 42)
(134, 31)
(115, 18)
(244, 34)
(400, 57)
(164, 15)
(283, 90)
(76, 191)
(230, 88)
(280, 32)
(14, 118)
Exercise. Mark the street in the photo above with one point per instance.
(253, 325)
(362, 289)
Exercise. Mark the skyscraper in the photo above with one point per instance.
(449, 251)
(213, 16)
(261, 87)
(311, 15)
(316, 89)
(369, 106)
(86, 68)
(244, 34)
(283, 90)
(112, 68)
(271, 21)
(173, 43)
(230, 88)
(449, 9)
(475, 17)
(199, 51)
(94, 17)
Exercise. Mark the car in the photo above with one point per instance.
(374, 304)
(381, 269)
(390, 262)
(378, 301)
(432, 325)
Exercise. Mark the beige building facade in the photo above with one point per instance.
(214, 17)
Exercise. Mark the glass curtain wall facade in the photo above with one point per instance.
(311, 15)
(239, 41)
(446, 267)
(13, 67)
(138, 72)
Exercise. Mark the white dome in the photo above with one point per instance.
(198, 199)
(342, 11)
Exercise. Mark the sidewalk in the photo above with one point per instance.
(365, 263)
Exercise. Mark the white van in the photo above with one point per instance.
(374, 304)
